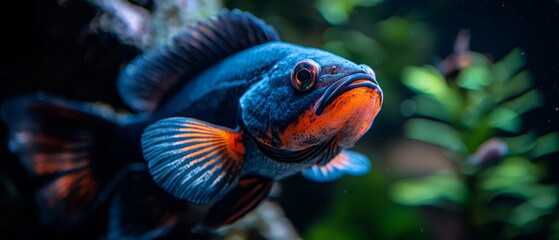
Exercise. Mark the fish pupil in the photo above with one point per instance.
(304, 75)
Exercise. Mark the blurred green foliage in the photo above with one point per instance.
(463, 112)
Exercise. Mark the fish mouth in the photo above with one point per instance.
(343, 85)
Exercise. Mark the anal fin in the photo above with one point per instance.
(246, 196)
(192, 159)
(345, 163)
(139, 209)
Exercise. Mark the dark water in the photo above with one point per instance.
(48, 49)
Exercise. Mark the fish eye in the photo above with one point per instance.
(369, 70)
(305, 74)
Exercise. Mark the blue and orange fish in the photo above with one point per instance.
(224, 111)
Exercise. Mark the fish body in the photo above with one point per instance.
(224, 111)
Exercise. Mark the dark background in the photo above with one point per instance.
(46, 48)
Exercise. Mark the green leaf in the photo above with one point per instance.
(474, 78)
(508, 66)
(546, 144)
(520, 144)
(429, 81)
(433, 190)
(524, 214)
(434, 132)
(478, 103)
(504, 119)
(524, 102)
(426, 80)
(509, 175)
(429, 107)
(516, 85)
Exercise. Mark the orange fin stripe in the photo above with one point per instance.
(200, 159)
(218, 165)
(204, 150)
(212, 161)
(339, 162)
(47, 163)
(201, 145)
(193, 140)
(221, 175)
(202, 133)
(347, 162)
(198, 124)
(198, 127)
(184, 135)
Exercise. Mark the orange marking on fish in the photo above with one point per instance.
(190, 130)
(44, 163)
(181, 135)
(218, 165)
(198, 127)
(212, 161)
(193, 140)
(199, 145)
(218, 179)
(213, 150)
(356, 106)
(323, 170)
(339, 161)
(235, 145)
(203, 158)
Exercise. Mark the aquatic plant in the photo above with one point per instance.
(471, 108)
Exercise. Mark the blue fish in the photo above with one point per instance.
(224, 111)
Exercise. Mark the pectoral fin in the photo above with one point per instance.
(248, 194)
(193, 160)
(345, 163)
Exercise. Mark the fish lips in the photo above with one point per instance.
(343, 85)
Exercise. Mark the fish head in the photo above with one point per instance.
(309, 98)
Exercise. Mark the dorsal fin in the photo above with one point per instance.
(149, 79)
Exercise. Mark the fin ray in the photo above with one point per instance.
(345, 163)
(199, 168)
(60, 139)
(149, 79)
(246, 196)
(141, 210)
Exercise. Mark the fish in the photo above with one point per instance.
(220, 114)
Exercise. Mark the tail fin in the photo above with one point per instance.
(60, 140)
